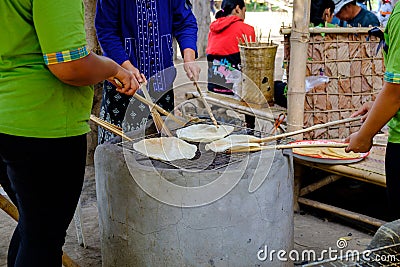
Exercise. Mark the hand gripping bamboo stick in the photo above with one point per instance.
(207, 106)
(309, 129)
(153, 105)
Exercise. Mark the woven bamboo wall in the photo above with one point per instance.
(355, 74)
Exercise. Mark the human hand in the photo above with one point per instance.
(363, 111)
(139, 77)
(358, 143)
(192, 70)
(125, 81)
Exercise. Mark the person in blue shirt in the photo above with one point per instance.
(354, 15)
(138, 35)
(362, 4)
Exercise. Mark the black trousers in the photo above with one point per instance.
(392, 168)
(44, 178)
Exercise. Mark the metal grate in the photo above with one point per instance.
(203, 160)
(382, 256)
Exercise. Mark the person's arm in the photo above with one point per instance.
(108, 21)
(184, 26)
(191, 68)
(384, 108)
(61, 33)
(93, 69)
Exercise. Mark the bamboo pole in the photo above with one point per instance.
(299, 39)
(348, 171)
(341, 212)
(12, 210)
(317, 185)
(331, 30)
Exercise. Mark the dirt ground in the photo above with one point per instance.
(311, 231)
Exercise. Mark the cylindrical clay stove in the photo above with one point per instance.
(238, 228)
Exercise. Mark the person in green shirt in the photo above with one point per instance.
(46, 73)
(386, 108)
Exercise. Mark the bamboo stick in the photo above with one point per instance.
(330, 30)
(287, 146)
(153, 105)
(158, 121)
(309, 129)
(12, 211)
(109, 127)
(207, 106)
(247, 108)
(8, 207)
(342, 212)
(159, 109)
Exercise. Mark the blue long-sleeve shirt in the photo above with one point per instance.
(142, 31)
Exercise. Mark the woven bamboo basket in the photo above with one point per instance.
(258, 66)
(348, 56)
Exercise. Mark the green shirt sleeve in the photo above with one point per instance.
(392, 39)
(59, 25)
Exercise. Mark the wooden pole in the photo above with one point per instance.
(12, 210)
(348, 171)
(341, 212)
(299, 39)
(317, 185)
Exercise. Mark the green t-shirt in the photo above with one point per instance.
(33, 102)
(392, 64)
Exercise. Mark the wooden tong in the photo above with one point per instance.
(309, 129)
(153, 105)
(286, 146)
(110, 127)
(158, 121)
(207, 106)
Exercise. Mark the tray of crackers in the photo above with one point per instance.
(326, 154)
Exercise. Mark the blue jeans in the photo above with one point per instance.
(44, 178)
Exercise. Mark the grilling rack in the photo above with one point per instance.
(203, 160)
(382, 256)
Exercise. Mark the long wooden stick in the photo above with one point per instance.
(309, 129)
(12, 210)
(287, 146)
(341, 212)
(112, 128)
(151, 104)
(159, 109)
(207, 106)
(158, 121)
